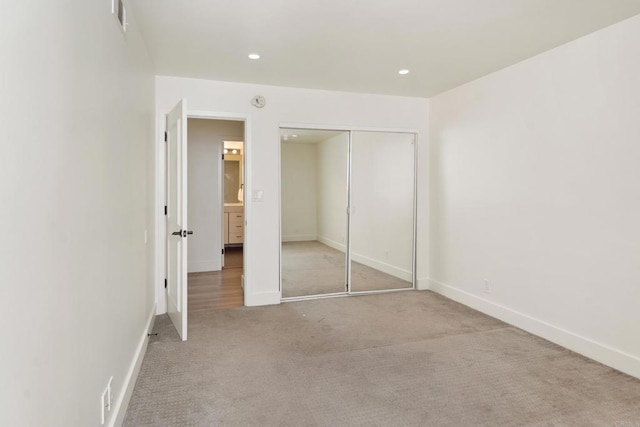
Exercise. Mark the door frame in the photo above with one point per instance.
(160, 197)
(350, 129)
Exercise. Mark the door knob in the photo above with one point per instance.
(177, 233)
(189, 232)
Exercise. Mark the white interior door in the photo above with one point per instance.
(224, 229)
(176, 218)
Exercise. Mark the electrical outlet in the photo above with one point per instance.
(105, 401)
(487, 286)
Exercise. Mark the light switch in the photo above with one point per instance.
(258, 196)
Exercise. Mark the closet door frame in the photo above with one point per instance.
(414, 216)
(350, 130)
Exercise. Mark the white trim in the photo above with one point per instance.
(279, 196)
(160, 201)
(200, 266)
(370, 262)
(220, 202)
(332, 243)
(381, 291)
(384, 267)
(315, 296)
(262, 298)
(414, 258)
(347, 239)
(124, 394)
(602, 353)
(342, 294)
(199, 114)
(247, 156)
(389, 269)
(345, 128)
(422, 284)
(299, 238)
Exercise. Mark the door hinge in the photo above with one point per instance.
(165, 283)
(223, 157)
(165, 137)
(222, 251)
(165, 209)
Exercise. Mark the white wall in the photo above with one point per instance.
(287, 106)
(535, 188)
(77, 147)
(299, 191)
(204, 148)
(332, 190)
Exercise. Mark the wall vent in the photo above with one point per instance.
(119, 10)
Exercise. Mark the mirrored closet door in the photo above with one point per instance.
(314, 165)
(347, 212)
(382, 211)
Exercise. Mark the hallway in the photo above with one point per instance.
(218, 289)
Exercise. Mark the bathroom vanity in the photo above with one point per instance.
(233, 224)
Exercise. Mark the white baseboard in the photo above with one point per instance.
(331, 243)
(262, 298)
(602, 353)
(422, 284)
(299, 238)
(384, 267)
(208, 265)
(124, 395)
(369, 262)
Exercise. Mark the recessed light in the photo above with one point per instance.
(234, 151)
(254, 56)
(403, 71)
(225, 151)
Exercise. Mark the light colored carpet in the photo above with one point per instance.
(401, 359)
(313, 268)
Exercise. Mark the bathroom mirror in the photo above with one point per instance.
(233, 177)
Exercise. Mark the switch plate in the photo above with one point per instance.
(258, 196)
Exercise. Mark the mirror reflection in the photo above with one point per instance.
(327, 248)
(313, 211)
(233, 181)
(382, 211)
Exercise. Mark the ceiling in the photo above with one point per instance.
(307, 136)
(359, 45)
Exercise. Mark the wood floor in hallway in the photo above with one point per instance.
(218, 289)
